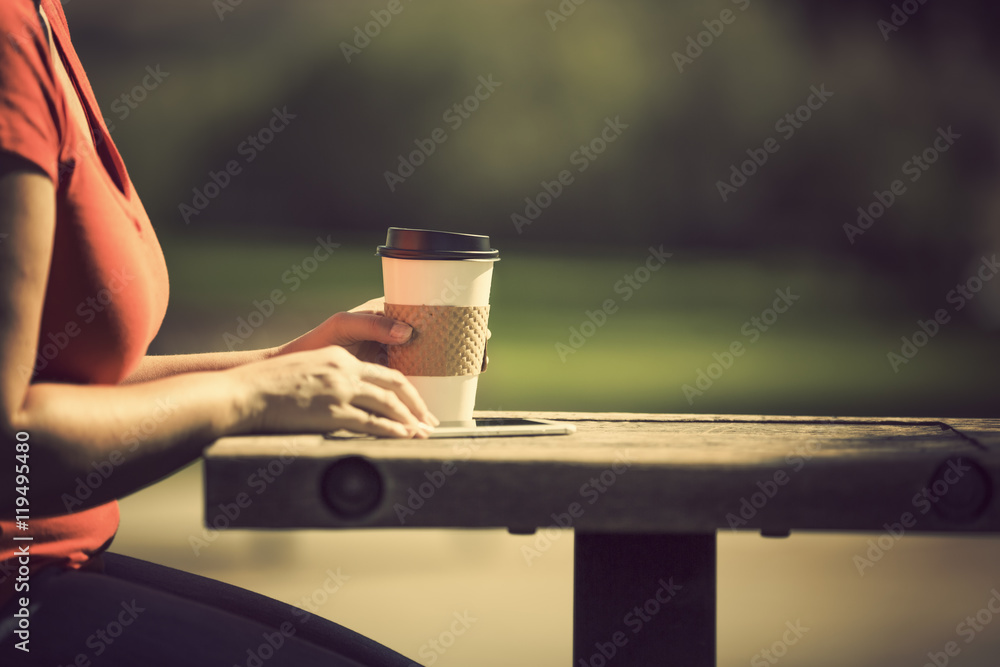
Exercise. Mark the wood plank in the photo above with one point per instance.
(675, 442)
(985, 432)
(638, 473)
(703, 417)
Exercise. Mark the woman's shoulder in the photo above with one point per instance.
(22, 33)
(30, 107)
(20, 15)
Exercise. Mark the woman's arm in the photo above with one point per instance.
(147, 430)
(155, 367)
(361, 331)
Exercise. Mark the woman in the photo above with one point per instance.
(83, 289)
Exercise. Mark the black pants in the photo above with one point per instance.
(147, 615)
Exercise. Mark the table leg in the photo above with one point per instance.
(644, 599)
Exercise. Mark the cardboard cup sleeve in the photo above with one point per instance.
(447, 340)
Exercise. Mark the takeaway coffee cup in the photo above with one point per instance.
(439, 283)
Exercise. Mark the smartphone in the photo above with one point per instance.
(482, 428)
(501, 426)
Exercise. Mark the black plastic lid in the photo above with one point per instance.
(402, 243)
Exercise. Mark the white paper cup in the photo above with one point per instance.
(443, 269)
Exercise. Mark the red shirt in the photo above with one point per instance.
(107, 285)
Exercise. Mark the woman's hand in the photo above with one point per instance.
(328, 389)
(364, 331)
(336, 374)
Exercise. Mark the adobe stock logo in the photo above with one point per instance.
(249, 149)
(899, 17)
(627, 286)
(434, 648)
(381, 18)
(103, 637)
(581, 158)
(87, 310)
(961, 295)
(922, 501)
(968, 628)
(713, 30)
(914, 168)
(592, 490)
(128, 102)
(636, 619)
(769, 488)
(294, 276)
(565, 9)
(778, 650)
(752, 329)
(786, 126)
(454, 116)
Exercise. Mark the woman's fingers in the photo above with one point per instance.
(330, 388)
(351, 328)
(361, 421)
(384, 403)
(396, 382)
(387, 394)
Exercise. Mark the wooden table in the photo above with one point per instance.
(645, 494)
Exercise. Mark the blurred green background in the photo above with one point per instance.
(324, 175)
(656, 184)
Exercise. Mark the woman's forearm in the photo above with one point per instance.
(156, 367)
(91, 444)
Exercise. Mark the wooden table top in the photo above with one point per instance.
(666, 473)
